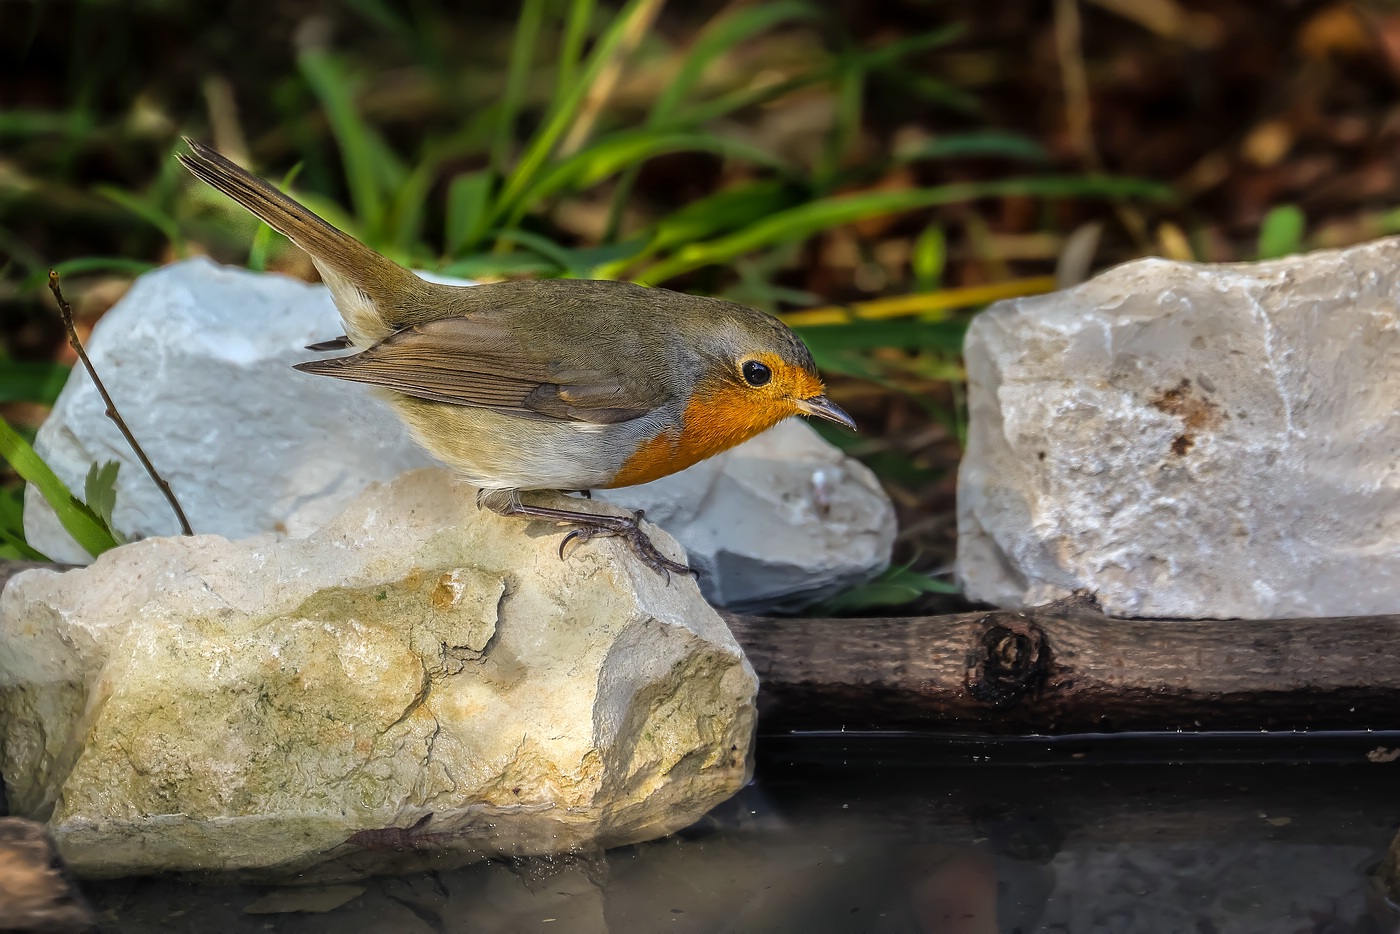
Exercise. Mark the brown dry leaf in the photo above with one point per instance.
(1267, 143)
(1172, 242)
(1337, 30)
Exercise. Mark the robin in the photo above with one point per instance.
(555, 384)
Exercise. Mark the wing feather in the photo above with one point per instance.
(475, 361)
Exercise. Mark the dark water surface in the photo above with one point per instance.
(844, 833)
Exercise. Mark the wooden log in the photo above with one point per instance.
(1067, 669)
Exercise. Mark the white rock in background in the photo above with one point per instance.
(1187, 440)
(777, 523)
(417, 684)
(198, 358)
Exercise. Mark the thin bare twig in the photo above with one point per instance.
(1078, 111)
(66, 311)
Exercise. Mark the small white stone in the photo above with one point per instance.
(198, 358)
(1186, 440)
(292, 707)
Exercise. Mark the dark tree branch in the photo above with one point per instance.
(67, 312)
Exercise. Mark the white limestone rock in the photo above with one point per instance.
(417, 684)
(1185, 440)
(198, 357)
(779, 522)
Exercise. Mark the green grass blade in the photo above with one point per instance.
(728, 209)
(815, 216)
(79, 521)
(561, 117)
(522, 53)
(361, 150)
(579, 18)
(468, 198)
(894, 51)
(543, 246)
(999, 143)
(410, 200)
(745, 97)
(84, 264)
(262, 240)
(501, 265)
(145, 210)
(718, 37)
(850, 91)
(611, 155)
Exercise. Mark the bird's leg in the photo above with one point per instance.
(586, 525)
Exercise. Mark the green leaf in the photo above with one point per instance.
(1281, 232)
(803, 221)
(100, 490)
(82, 523)
(928, 258)
(27, 381)
(895, 587)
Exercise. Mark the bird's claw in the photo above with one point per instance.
(630, 529)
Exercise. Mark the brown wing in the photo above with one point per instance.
(477, 361)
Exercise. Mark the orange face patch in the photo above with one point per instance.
(721, 413)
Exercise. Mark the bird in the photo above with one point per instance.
(568, 385)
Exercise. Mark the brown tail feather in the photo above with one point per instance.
(337, 254)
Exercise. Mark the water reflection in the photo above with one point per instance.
(852, 835)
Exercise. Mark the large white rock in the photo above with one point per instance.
(1186, 440)
(198, 358)
(416, 684)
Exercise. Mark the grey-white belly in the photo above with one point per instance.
(495, 450)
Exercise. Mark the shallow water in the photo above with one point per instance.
(845, 833)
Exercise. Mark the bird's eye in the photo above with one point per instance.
(757, 374)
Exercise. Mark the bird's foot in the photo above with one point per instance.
(587, 525)
(628, 528)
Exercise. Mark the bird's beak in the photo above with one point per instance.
(822, 407)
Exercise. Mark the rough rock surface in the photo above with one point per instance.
(198, 357)
(416, 684)
(1186, 440)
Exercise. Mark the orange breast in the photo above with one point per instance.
(718, 416)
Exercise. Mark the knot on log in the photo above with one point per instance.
(1008, 661)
